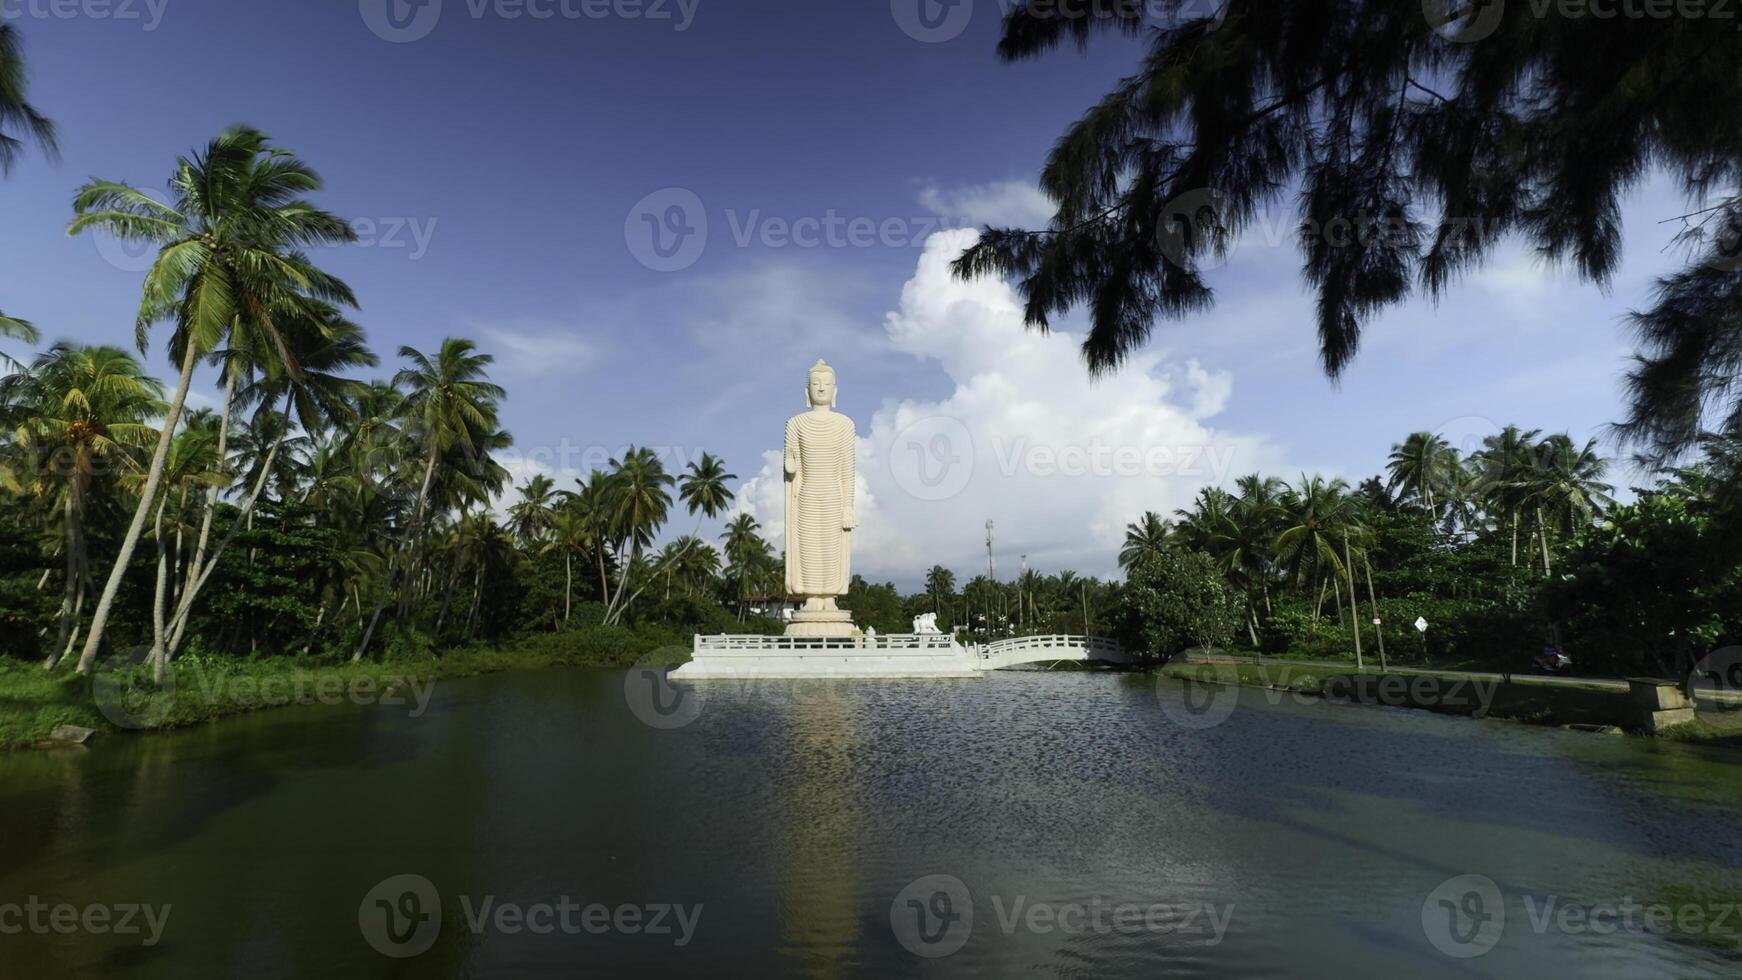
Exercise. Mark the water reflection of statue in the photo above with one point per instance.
(819, 509)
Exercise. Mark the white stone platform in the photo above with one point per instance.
(894, 655)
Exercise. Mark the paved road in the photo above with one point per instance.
(1372, 663)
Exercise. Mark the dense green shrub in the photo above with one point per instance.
(1173, 601)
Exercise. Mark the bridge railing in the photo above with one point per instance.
(882, 643)
(1094, 647)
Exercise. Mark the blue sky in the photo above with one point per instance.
(503, 169)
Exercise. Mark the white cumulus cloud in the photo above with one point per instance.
(1059, 462)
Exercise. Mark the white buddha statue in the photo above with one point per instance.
(819, 509)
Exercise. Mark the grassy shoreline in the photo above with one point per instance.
(122, 701)
(1556, 705)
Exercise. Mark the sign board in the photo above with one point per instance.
(1420, 625)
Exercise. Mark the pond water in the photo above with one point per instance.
(556, 823)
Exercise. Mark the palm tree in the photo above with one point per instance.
(1148, 536)
(1424, 465)
(571, 532)
(745, 550)
(1502, 469)
(1566, 488)
(590, 502)
(940, 584)
(322, 345)
(86, 414)
(636, 508)
(533, 514)
(16, 329)
(1319, 515)
(687, 562)
(227, 257)
(449, 405)
(16, 112)
(703, 486)
(193, 464)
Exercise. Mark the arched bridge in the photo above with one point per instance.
(1056, 648)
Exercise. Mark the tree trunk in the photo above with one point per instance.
(1542, 531)
(1354, 604)
(178, 625)
(1515, 537)
(393, 562)
(1378, 625)
(157, 594)
(70, 516)
(147, 497)
(569, 585)
(212, 493)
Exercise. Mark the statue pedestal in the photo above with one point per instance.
(831, 622)
(820, 617)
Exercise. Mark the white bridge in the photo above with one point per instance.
(1058, 648)
(882, 655)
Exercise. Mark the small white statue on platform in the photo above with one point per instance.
(927, 625)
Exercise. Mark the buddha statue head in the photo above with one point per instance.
(820, 385)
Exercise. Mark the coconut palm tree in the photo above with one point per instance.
(1425, 466)
(227, 259)
(745, 553)
(1566, 489)
(940, 584)
(317, 394)
(1319, 516)
(86, 415)
(449, 405)
(17, 115)
(703, 486)
(533, 515)
(17, 330)
(570, 532)
(1148, 536)
(636, 507)
(1502, 471)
